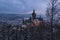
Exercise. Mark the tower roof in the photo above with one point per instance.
(33, 14)
(33, 11)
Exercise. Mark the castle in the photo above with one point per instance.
(33, 20)
(32, 26)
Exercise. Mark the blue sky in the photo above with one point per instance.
(23, 6)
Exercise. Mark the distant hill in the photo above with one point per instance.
(15, 16)
(14, 19)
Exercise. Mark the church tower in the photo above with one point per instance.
(33, 15)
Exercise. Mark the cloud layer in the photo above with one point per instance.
(23, 6)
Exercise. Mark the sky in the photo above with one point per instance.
(23, 6)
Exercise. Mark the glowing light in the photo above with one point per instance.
(22, 30)
(37, 23)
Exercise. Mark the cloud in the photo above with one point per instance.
(22, 6)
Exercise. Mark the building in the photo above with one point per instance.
(32, 26)
(33, 20)
(33, 15)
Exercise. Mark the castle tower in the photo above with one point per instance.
(33, 15)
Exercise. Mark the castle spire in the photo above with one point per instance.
(33, 14)
(33, 11)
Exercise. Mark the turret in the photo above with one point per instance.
(33, 15)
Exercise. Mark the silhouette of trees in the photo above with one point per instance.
(52, 14)
(53, 11)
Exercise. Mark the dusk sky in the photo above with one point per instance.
(23, 6)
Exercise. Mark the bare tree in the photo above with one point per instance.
(52, 12)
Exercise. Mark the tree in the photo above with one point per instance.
(52, 12)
